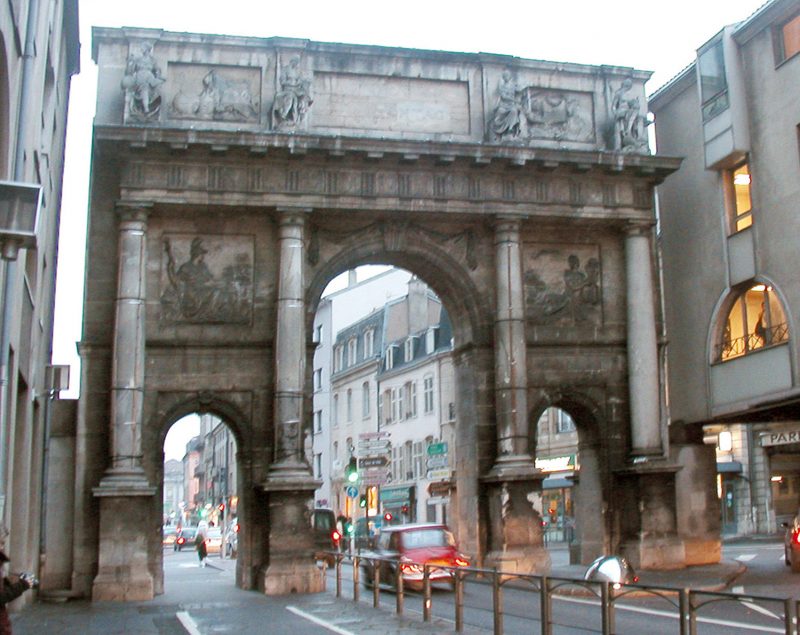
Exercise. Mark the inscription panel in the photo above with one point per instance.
(391, 104)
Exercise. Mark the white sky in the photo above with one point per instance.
(656, 36)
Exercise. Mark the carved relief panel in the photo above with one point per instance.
(206, 279)
(563, 284)
(528, 112)
(214, 93)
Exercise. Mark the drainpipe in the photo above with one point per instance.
(9, 267)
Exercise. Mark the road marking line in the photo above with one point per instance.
(188, 623)
(760, 609)
(746, 557)
(705, 620)
(319, 622)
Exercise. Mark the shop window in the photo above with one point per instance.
(755, 319)
(787, 39)
(738, 182)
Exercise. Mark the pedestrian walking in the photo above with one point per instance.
(200, 545)
(10, 589)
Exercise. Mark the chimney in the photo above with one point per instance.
(352, 279)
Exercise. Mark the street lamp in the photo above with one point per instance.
(19, 215)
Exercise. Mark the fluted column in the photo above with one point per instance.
(290, 344)
(123, 492)
(510, 348)
(642, 343)
(128, 362)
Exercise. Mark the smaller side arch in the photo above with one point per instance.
(203, 403)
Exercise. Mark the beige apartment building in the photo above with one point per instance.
(38, 55)
(729, 224)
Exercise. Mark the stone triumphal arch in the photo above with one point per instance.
(234, 177)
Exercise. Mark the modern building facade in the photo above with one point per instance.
(38, 56)
(728, 220)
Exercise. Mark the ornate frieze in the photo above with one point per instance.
(210, 93)
(206, 279)
(563, 284)
(525, 113)
(286, 178)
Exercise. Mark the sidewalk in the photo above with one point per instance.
(215, 605)
(219, 607)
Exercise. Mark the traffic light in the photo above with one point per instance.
(351, 472)
(362, 502)
(388, 517)
(221, 507)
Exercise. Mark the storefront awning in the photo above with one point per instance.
(557, 482)
(729, 467)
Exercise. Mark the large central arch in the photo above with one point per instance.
(251, 172)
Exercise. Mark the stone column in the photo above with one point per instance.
(290, 347)
(511, 382)
(643, 365)
(515, 538)
(123, 491)
(290, 485)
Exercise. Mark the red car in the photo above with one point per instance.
(410, 547)
(791, 544)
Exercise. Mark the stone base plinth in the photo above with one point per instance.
(528, 560)
(700, 552)
(659, 554)
(286, 577)
(585, 552)
(123, 586)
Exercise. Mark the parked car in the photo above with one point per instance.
(614, 569)
(185, 538)
(326, 535)
(213, 540)
(411, 547)
(232, 539)
(168, 535)
(791, 544)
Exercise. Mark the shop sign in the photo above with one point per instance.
(439, 490)
(394, 495)
(556, 463)
(780, 438)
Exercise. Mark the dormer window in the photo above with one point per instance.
(351, 351)
(391, 356)
(713, 84)
(369, 343)
(430, 340)
(409, 349)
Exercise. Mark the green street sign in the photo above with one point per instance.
(437, 448)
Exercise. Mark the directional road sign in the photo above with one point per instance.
(435, 461)
(438, 475)
(373, 461)
(352, 491)
(437, 448)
